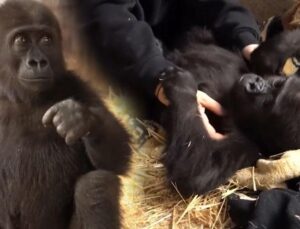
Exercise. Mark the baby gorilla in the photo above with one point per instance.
(259, 111)
(61, 149)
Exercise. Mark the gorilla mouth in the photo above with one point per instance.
(36, 79)
(37, 83)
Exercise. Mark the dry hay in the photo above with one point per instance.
(149, 202)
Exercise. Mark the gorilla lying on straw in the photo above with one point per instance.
(261, 110)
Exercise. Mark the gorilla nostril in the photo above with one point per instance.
(32, 63)
(43, 63)
(37, 63)
(252, 86)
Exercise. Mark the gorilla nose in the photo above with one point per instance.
(37, 64)
(254, 84)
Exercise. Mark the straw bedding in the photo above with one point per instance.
(149, 202)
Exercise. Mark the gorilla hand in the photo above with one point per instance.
(175, 86)
(71, 119)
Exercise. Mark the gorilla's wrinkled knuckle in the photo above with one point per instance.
(61, 129)
(57, 119)
(78, 115)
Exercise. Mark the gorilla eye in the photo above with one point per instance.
(20, 40)
(46, 40)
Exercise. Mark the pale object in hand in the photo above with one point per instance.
(270, 173)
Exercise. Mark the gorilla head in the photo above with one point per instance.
(266, 109)
(255, 95)
(30, 51)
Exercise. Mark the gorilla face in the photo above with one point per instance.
(255, 94)
(267, 109)
(32, 51)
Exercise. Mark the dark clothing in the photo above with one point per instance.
(273, 209)
(123, 33)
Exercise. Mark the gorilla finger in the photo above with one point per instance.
(57, 120)
(76, 134)
(49, 114)
(61, 130)
(72, 137)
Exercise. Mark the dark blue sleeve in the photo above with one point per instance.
(124, 41)
(235, 25)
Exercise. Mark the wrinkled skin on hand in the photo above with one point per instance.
(71, 119)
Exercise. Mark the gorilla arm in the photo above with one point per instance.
(195, 161)
(107, 146)
(98, 129)
(108, 149)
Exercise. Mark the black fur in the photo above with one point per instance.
(197, 163)
(44, 182)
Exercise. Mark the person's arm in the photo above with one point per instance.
(235, 26)
(123, 41)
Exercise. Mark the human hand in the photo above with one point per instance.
(247, 50)
(204, 102)
(175, 84)
(160, 94)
